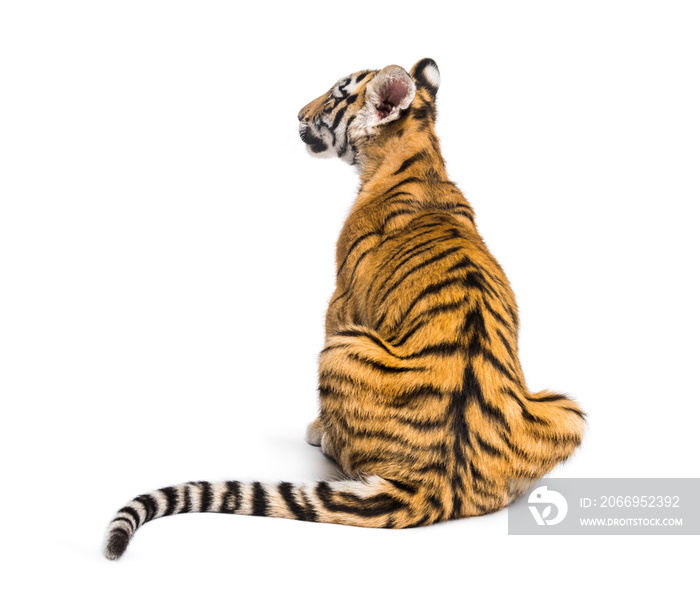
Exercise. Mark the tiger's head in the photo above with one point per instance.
(359, 106)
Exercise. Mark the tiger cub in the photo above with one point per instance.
(423, 403)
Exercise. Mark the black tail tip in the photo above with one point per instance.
(116, 544)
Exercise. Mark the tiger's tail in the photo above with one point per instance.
(370, 502)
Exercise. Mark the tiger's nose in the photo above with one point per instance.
(301, 115)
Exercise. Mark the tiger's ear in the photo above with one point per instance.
(427, 76)
(390, 92)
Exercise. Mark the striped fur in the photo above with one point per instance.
(423, 403)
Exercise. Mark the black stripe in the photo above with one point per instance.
(457, 495)
(460, 430)
(340, 296)
(422, 425)
(559, 439)
(409, 250)
(419, 229)
(356, 333)
(231, 499)
(338, 117)
(413, 394)
(506, 344)
(373, 506)
(580, 414)
(463, 264)
(512, 312)
(435, 502)
(299, 512)
(478, 487)
(425, 520)
(438, 466)
(351, 282)
(404, 182)
(126, 520)
(352, 383)
(425, 263)
(358, 459)
(187, 506)
(342, 86)
(530, 418)
(171, 497)
(396, 195)
(456, 209)
(355, 243)
(382, 367)
(535, 475)
(474, 322)
(451, 207)
(404, 486)
(424, 112)
(496, 315)
(120, 530)
(205, 497)
(475, 279)
(488, 491)
(259, 500)
(424, 124)
(406, 254)
(309, 507)
(441, 349)
(328, 376)
(525, 412)
(412, 252)
(406, 442)
(396, 213)
(426, 292)
(427, 316)
(150, 504)
(488, 448)
(476, 474)
(407, 201)
(334, 347)
(498, 365)
(471, 391)
(347, 143)
(410, 161)
(133, 513)
(547, 398)
(527, 456)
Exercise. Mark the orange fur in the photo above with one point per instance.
(421, 348)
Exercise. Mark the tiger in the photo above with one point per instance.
(423, 402)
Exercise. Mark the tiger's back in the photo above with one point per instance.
(423, 402)
(420, 380)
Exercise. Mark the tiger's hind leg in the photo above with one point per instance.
(317, 436)
(380, 406)
(384, 418)
(314, 433)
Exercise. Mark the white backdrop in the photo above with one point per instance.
(167, 253)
